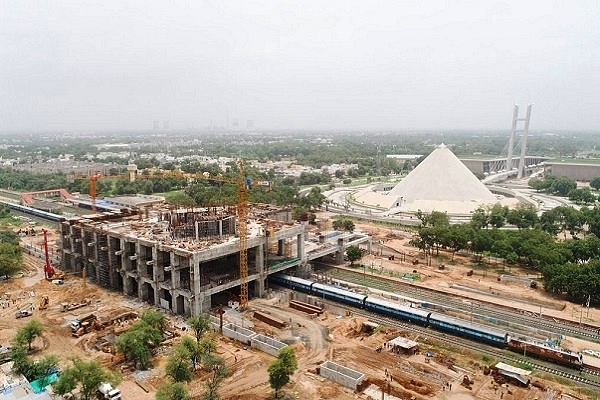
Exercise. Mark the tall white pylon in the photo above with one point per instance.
(511, 142)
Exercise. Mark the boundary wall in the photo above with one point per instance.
(341, 375)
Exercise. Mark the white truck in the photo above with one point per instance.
(106, 391)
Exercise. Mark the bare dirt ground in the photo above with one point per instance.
(328, 337)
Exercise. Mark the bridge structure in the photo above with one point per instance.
(516, 141)
(29, 197)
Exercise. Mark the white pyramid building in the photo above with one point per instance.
(441, 182)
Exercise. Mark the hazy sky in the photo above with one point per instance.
(103, 65)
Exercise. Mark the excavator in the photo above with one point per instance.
(44, 302)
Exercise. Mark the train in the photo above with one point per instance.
(34, 211)
(436, 320)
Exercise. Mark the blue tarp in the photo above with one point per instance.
(40, 385)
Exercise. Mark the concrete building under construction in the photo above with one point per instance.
(181, 259)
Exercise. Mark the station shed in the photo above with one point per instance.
(518, 375)
(402, 345)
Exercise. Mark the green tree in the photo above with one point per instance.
(538, 184)
(218, 372)
(458, 237)
(522, 217)
(314, 199)
(42, 368)
(595, 183)
(498, 215)
(18, 354)
(435, 218)
(200, 324)
(278, 377)
(30, 331)
(562, 185)
(172, 391)
(180, 199)
(343, 224)
(178, 364)
(562, 219)
(10, 259)
(353, 253)
(194, 349)
(282, 368)
(479, 218)
(137, 341)
(85, 375)
(207, 346)
(581, 196)
(8, 236)
(155, 319)
(591, 217)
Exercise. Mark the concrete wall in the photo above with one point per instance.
(341, 375)
(267, 344)
(235, 332)
(579, 172)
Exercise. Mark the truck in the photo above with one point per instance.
(23, 313)
(106, 391)
(4, 354)
(81, 326)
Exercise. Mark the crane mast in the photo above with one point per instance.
(243, 185)
(242, 207)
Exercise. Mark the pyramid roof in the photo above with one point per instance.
(442, 177)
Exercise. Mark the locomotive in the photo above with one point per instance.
(439, 321)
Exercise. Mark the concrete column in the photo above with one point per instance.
(220, 228)
(157, 273)
(196, 306)
(259, 259)
(369, 243)
(280, 247)
(123, 266)
(138, 269)
(94, 255)
(138, 261)
(111, 264)
(205, 305)
(300, 245)
(339, 256)
(262, 270)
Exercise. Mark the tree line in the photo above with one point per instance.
(566, 187)
(562, 244)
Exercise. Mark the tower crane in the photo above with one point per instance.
(243, 185)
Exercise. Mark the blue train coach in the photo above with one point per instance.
(405, 313)
(459, 327)
(338, 294)
(291, 282)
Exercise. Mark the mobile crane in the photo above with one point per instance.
(49, 271)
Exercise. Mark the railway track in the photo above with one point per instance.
(586, 377)
(486, 313)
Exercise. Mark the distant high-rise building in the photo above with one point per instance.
(166, 125)
(235, 122)
(250, 124)
(156, 125)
